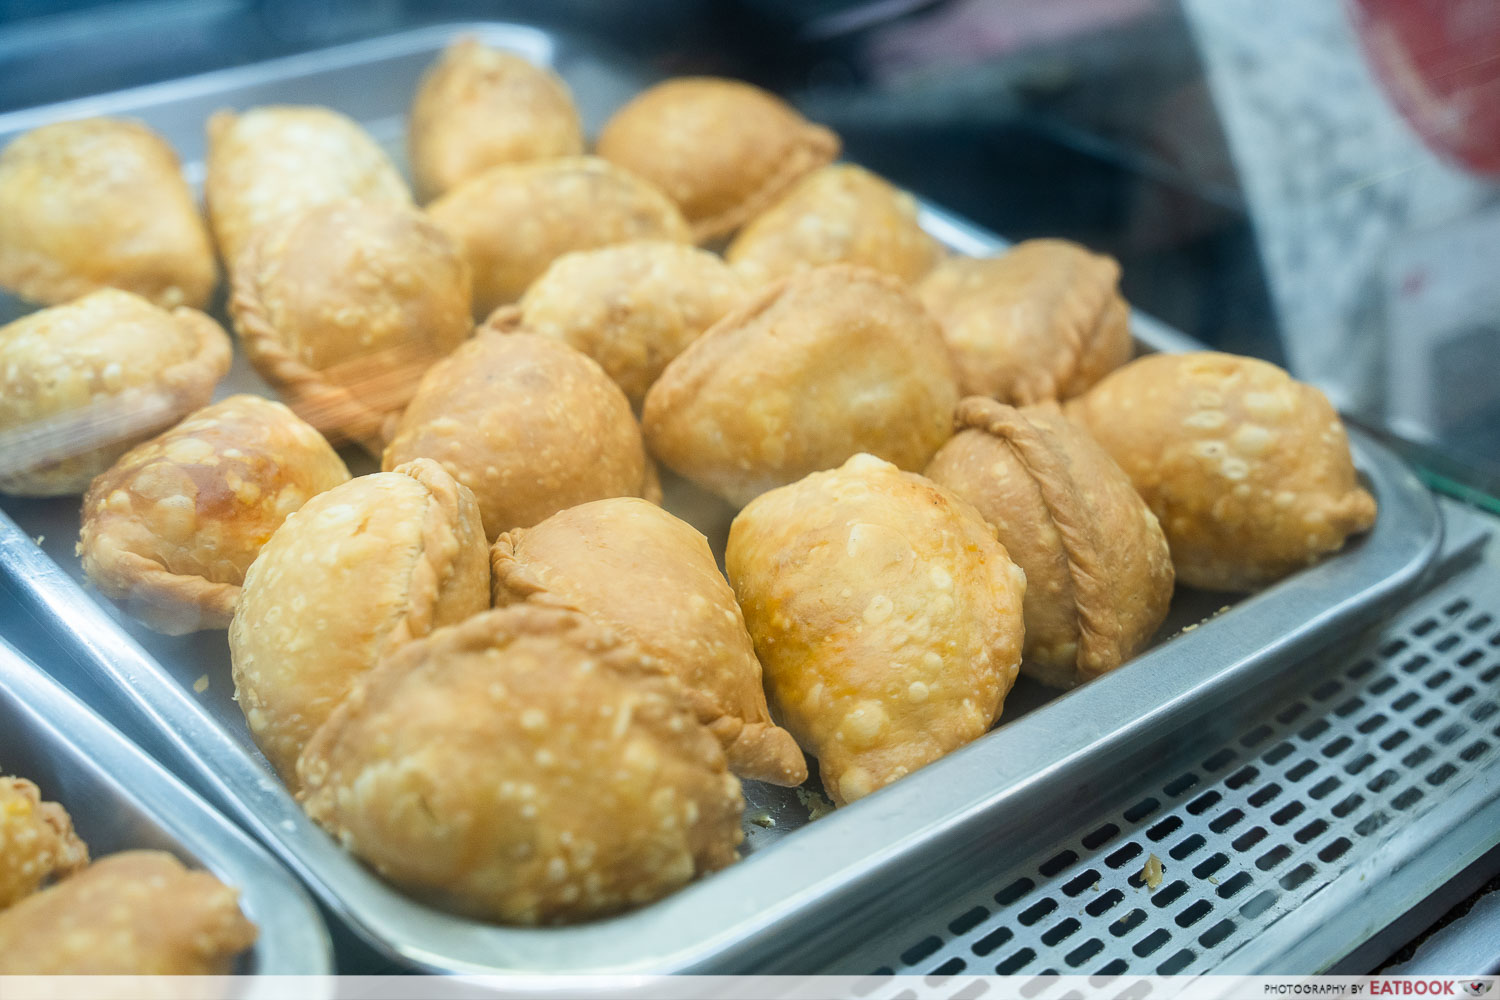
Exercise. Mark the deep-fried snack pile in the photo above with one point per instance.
(495, 671)
(129, 914)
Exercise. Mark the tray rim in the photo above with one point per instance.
(737, 928)
(296, 942)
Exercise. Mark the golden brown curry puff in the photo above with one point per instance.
(345, 308)
(633, 567)
(479, 107)
(170, 529)
(137, 913)
(1098, 573)
(808, 372)
(354, 574)
(100, 203)
(525, 766)
(529, 424)
(82, 382)
(841, 214)
(632, 307)
(514, 220)
(268, 165)
(721, 149)
(1247, 469)
(37, 842)
(1044, 320)
(887, 616)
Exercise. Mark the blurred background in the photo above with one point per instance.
(1311, 181)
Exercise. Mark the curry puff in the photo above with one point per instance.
(723, 150)
(82, 382)
(479, 107)
(633, 567)
(37, 842)
(887, 616)
(1042, 321)
(840, 214)
(632, 307)
(137, 913)
(810, 371)
(1247, 469)
(530, 425)
(170, 529)
(1098, 573)
(345, 308)
(357, 572)
(514, 220)
(526, 767)
(268, 165)
(100, 203)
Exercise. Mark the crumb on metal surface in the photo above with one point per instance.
(816, 805)
(1151, 873)
(201, 684)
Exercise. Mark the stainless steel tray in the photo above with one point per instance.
(800, 893)
(122, 800)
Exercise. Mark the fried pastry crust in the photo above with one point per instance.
(100, 203)
(632, 307)
(81, 383)
(640, 571)
(514, 220)
(723, 150)
(1098, 573)
(356, 573)
(810, 371)
(530, 425)
(525, 766)
(1247, 469)
(344, 309)
(479, 107)
(841, 214)
(137, 913)
(887, 616)
(37, 842)
(170, 529)
(1042, 321)
(268, 165)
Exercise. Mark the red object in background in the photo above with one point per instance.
(1439, 61)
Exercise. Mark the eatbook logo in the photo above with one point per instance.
(1478, 987)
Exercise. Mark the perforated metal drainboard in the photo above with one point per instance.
(1245, 832)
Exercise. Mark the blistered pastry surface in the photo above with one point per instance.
(358, 571)
(100, 203)
(723, 150)
(82, 382)
(525, 767)
(270, 164)
(1044, 320)
(514, 220)
(135, 913)
(1247, 469)
(345, 309)
(1098, 573)
(886, 615)
(170, 529)
(632, 307)
(651, 577)
(479, 107)
(810, 371)
(37, 842)
(529, 424)
(840, 214)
